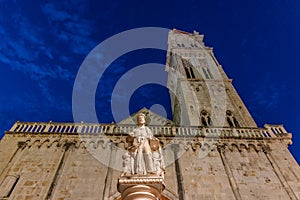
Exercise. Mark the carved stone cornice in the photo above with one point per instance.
(221, 148)
(176, 144)
(194, 143)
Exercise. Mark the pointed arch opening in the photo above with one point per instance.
(231, 120)
(205, 119)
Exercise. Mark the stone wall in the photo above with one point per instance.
(8, 147)
(204, 177)
(34, 168)
(240, 164)
(81, 176)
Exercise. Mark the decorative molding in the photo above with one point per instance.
(141, 187)
(141, 180)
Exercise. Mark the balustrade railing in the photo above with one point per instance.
(269, 131)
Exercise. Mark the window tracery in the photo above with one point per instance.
(231, 120)
(205, 119)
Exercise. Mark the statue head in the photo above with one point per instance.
(141, 119)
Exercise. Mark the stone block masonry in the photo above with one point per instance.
(240, 163)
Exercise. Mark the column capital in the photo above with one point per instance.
(141, 188)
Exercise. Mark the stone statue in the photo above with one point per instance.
(127, 164)
(144, 154)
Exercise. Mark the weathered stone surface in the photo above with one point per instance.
(8, 147)
(81, 176)
(36, 168)
(238, 165)
(204, 177)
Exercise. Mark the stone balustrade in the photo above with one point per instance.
(269, 131)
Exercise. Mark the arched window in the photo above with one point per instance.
(188, 68)
(231, 120)
(205, 118)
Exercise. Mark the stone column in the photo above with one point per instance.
(141, 188)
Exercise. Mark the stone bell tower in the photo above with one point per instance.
(201, 93)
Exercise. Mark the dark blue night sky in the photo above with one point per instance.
(43, 44)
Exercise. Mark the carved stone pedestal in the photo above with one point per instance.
(141, 187)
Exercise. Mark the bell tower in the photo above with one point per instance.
(201, 93)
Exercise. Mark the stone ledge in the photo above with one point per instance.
(41, 128)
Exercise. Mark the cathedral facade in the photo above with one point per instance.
(212, 149)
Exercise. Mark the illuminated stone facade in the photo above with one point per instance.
(206, 157)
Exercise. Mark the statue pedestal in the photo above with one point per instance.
(146, 187)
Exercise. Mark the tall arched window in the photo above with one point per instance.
(205, 118)
(231, 120)
(188, 68)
